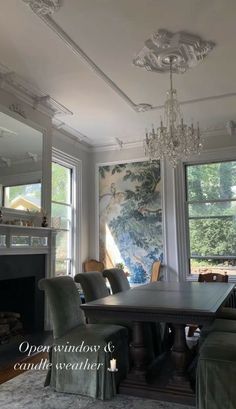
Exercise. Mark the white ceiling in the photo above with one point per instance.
(111, 32)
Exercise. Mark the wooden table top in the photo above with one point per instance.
(164, 301)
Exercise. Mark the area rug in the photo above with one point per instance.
(26, 391)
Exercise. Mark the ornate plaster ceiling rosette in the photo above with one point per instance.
(44, 7)
(186, 50)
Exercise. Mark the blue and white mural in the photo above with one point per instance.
(130, 217)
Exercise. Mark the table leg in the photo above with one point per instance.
(180, 354)
(162, 387)
(138, 350)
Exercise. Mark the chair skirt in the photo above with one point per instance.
(216, 372)
(88, 373)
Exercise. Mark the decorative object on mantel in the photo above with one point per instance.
(172, 52)
(44, 219)
(17, 108)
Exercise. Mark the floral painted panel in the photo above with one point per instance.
(130, 217)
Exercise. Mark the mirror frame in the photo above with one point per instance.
(46, 166)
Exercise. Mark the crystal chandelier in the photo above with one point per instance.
(173, 140)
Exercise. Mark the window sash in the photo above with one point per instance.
(68, 186)
(68, 260)
(204, 217)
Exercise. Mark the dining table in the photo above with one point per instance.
(175, 303)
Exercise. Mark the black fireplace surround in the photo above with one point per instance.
(19, 276)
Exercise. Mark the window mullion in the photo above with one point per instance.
(211, 201)
(62, 203)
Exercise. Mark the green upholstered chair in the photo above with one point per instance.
(216, 372)
(117, 279)
(70, 330)
(93, 285)
(227, 313)
(218, 325)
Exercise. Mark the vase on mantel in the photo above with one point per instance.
(44, 222)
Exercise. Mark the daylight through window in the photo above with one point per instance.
(23, 197)
(211, 209)
(62, 214)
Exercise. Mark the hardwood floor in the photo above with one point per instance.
(9, 372)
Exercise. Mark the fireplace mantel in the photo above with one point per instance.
(16, 239)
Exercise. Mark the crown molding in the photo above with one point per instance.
(27, 92)
(18, 161)
(214, 154)
(51, 6)
(60, 125)
(115, 147)
(44, 7)
(83, 145)
(120, 145)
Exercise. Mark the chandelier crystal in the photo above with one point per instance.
(173, 140)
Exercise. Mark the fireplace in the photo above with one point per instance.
(19, 293)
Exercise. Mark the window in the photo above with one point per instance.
(211, 220)
(23, 197)
(63, 216)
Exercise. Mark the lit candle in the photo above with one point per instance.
(113, 364)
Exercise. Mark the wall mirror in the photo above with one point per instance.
(21, 151)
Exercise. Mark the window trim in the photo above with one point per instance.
(76, 190)
(182, 237)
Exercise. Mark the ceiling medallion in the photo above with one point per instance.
(44, 7)
(186, 50)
